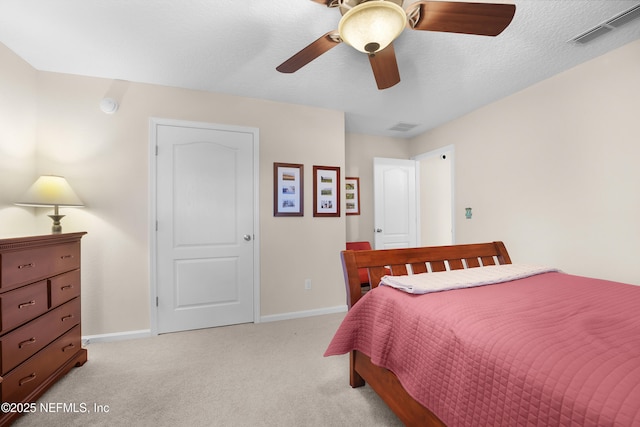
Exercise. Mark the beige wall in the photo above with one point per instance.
(17, 142)
(106, 160)
(553, 170)
(360, 152)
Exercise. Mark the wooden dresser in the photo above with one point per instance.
(40, 337)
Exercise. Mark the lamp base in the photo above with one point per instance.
(56, 228)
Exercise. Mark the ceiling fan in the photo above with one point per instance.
(371, 26)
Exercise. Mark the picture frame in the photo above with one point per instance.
(326, 191)
(352, 195)
(288, 189)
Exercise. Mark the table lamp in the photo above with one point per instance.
(51, 190)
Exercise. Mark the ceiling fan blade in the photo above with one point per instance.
(385, 67)
(485, 19)
(309, 53)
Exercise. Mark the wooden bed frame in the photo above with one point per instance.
(396, 262)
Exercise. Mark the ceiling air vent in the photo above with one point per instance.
(403, 127)
(609, 25)
(590, 35)
(626, 16)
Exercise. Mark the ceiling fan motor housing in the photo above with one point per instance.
(346, 5)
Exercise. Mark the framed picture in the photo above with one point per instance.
(288, 190)
(352, 194)
(326, 191)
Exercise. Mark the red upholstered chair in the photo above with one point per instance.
(361, 246)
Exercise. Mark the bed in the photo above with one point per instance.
(543, 348)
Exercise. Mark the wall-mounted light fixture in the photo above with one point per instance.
(51, 190)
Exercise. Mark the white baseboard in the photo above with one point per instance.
(145, 333)
(117, 336)
(300, 314)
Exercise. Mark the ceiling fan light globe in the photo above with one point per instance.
(371, 23)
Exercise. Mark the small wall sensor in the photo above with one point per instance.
(468, 214)
(109, 105)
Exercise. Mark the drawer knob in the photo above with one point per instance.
(66, 256)
(27, 304)
(27, 379)
(65, 287)
(68, 316)
(68, 347)
(27, 342)
(30, 265)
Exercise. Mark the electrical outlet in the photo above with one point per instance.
(307, 284)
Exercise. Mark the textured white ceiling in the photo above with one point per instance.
(233, 47)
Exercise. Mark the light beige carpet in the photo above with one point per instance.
(268, 374)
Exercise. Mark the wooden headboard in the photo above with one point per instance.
(404, 261)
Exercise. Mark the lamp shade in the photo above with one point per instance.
(370, 27)
(50, 190)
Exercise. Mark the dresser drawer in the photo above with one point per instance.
(24, 266)
(24, 379)
(64, 287)
(23, 304)
(19, 345)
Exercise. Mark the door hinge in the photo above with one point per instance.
(156, 150)
(156, 225)
(156, 301)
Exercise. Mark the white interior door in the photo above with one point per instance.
(205, 227)
(395, 203)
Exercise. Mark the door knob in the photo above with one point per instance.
(247, 237)
(378, 230)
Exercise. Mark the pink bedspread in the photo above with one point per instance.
(552, 349)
